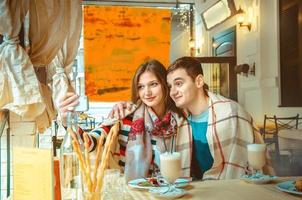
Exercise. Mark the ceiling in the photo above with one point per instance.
(147, 3)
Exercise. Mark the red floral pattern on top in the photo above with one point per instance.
(137, 128)
(163, 128)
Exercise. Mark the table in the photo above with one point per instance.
(290, 139)
(227, 190)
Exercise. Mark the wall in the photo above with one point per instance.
(258, 94)
(269, 52)
(180, 37)
(179, 44)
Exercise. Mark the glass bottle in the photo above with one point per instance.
(70, 174)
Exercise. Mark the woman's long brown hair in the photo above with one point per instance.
(160, 72)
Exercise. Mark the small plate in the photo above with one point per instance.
(161, 192)
(181, 182)
(136, 183)
(289, 187)
(258, 178)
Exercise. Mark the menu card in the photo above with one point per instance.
(32, 174)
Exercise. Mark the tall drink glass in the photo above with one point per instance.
(170, 167)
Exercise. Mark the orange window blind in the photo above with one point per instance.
(116, 41)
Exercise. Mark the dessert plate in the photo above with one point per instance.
(258, 178)
(289, 187)
(143, 183)
(163, 193)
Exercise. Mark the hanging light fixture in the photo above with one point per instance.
(181, 13)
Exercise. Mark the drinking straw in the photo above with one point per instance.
(171, 151)
(165, 143)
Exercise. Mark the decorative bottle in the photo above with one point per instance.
(69, 163)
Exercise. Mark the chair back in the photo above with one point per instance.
(272, 126)
(286, 122)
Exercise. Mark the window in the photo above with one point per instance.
(290, 53)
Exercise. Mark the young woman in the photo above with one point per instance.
(149, 129)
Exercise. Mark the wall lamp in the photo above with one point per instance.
(193, 49)
(241, 15)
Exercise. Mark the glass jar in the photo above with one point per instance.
(92, 196)
(111, 189)
(69, 163)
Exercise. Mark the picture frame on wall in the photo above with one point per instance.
(219, 12)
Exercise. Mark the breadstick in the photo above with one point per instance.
(81, 160)
(73, 135)
(114, 136)
(105, 156)
(83, 166)
(103, 163)
(97, 159)
(87, 158)
(77, 144)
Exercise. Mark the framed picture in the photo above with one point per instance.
(218, 13)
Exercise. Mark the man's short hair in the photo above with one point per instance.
(191, 65)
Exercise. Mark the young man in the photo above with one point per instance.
(221, 129)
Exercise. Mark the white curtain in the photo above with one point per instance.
(65, 56)
(19, 87)
(59, 24)
(54, 32)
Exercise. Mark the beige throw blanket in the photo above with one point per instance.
(230, 129)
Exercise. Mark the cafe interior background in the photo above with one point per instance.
(250, 51)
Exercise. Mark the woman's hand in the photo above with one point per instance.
(67, 103)
(121, 109)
